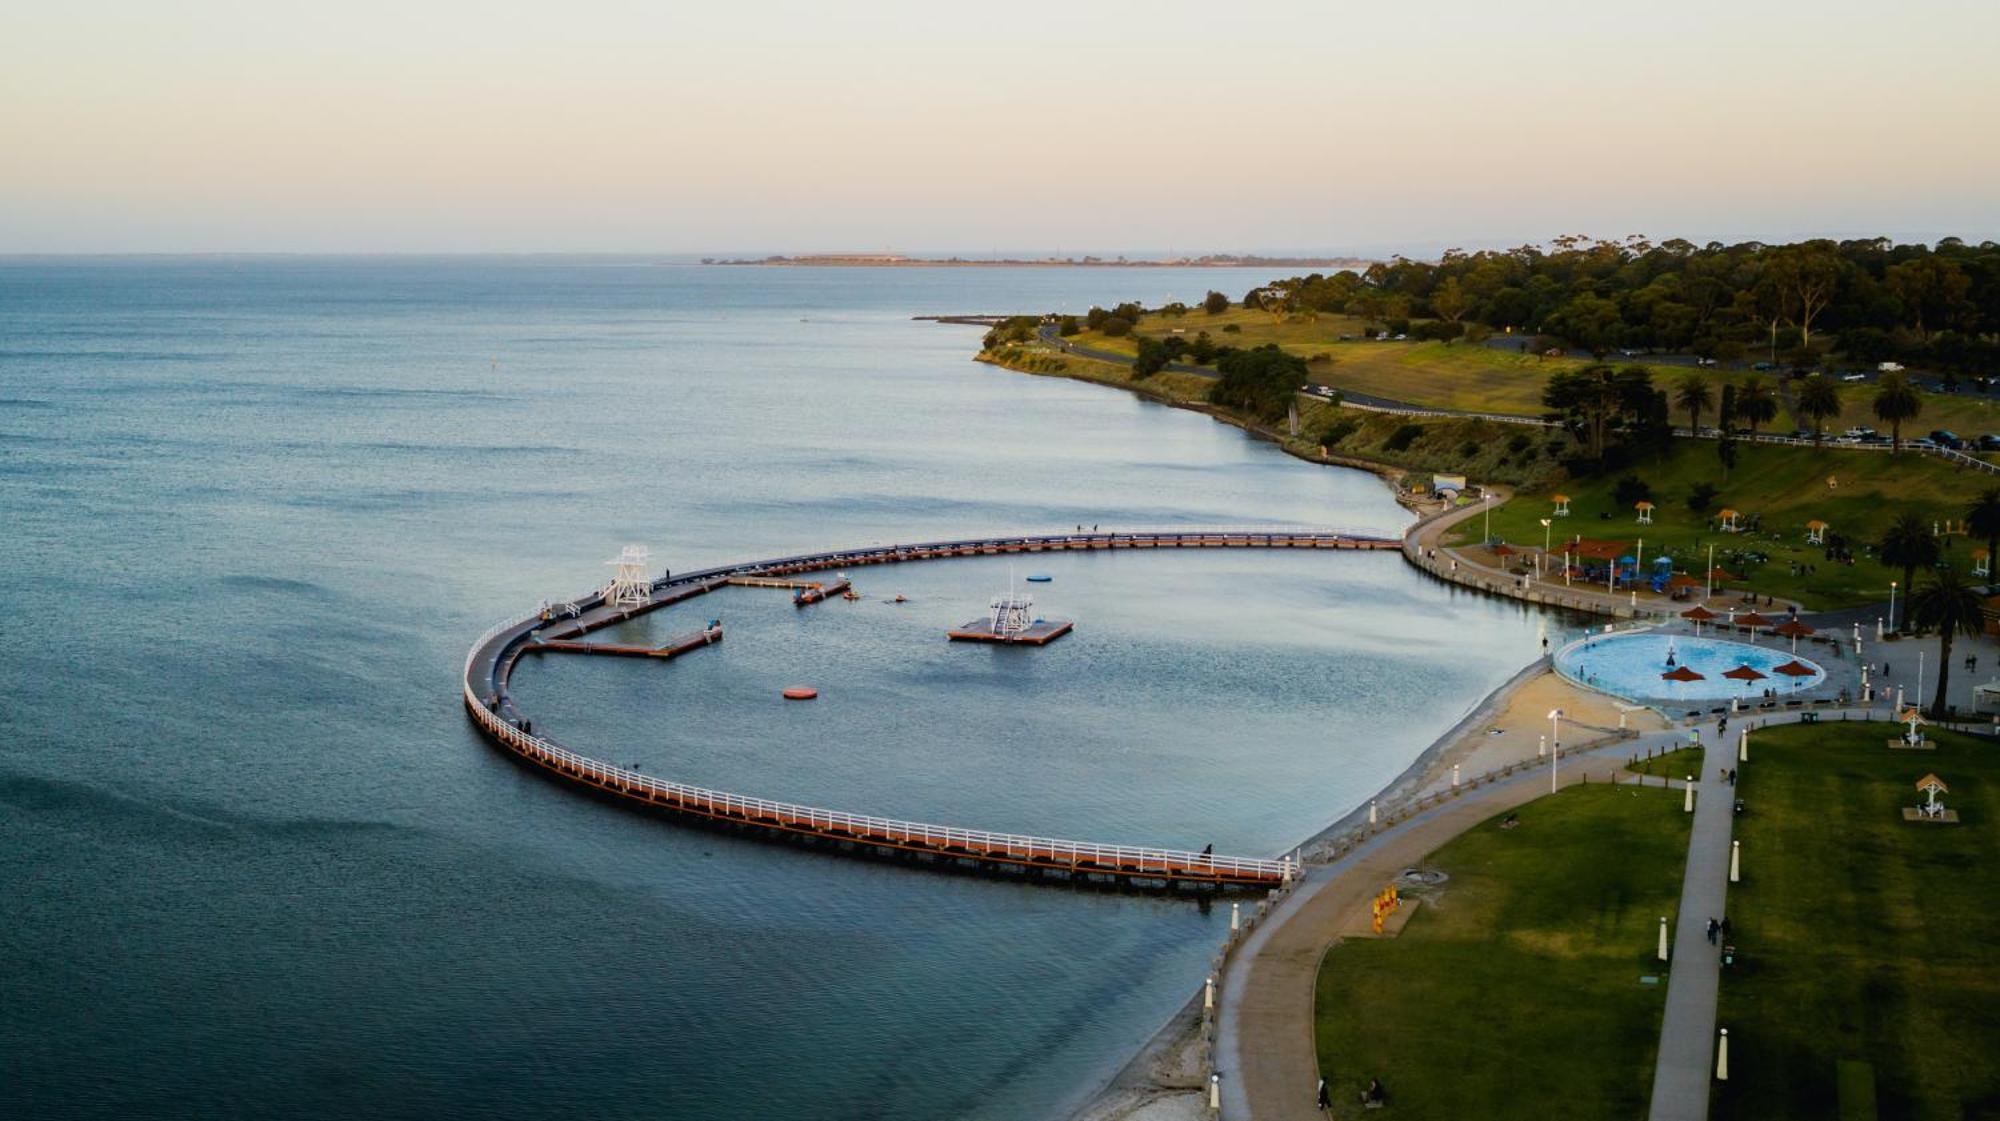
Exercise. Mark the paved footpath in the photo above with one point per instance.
(1264, 1040)
(1687, 1031)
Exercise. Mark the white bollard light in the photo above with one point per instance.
(1208, 995)
(1214, 1092)
(1235, 917)
(1735, 862)
(1371, 813)
(1722, 1055)
(1541, 746)
(1743, 747)
(1663, 938)
(1687, 802)
(1454, 776)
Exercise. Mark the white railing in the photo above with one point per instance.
(1124, 859)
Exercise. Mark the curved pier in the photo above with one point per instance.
(491, 661)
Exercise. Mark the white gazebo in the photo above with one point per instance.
(1816, 532)
(1645, 512)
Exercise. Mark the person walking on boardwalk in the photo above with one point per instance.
(1323, 1100)
(1713, 926)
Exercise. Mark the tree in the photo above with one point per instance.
(1725, 450)
(1115, 326)
(1896, 401)
(1596, 397)
(1151, 360)
(1932, 290)
(1949, 603)
(1262, 382)
(1755, 403)
(1692, 393)
(1450, 301)
(1817, 399)
(1805, 277)
(1909, 545)
(1215, 303)
(1983, 519)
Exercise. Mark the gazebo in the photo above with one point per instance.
(1982, 562)
(1645, 512)
(1728, 518)
(1562, 504)
(1816, 532)
(1930, 786)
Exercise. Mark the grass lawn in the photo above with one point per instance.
(1457, 375)
(1788, 486)
(1866, 942)
(1515, 991)
(1676, 764)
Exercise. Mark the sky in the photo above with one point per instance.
(775, 126)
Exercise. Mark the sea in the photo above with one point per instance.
(255, 863)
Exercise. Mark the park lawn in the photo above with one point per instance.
(1863, 938)
(1788, 486)
(1515, 992)
(1676, 764)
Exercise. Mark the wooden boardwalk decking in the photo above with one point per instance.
(490, 663)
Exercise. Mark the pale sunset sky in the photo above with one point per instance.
(666, 127)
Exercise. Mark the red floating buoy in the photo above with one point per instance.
(800, 693)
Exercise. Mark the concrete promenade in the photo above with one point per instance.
(1686, 1060)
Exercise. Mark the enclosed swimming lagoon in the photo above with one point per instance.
(1654, 667)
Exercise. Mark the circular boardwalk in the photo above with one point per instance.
(491, 661)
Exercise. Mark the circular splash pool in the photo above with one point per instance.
(1633, 666)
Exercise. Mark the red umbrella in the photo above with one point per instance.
(1683, 580)
(1681, 673)
(1792, 628)
(1744, 673)
(1751, 619)
(1698, 613)
(1504, 550)
(1794, 668)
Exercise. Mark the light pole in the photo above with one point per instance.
(1487, 503)
(1708, 589)
(1556, 744)
(1892, 605)
(1546, 523)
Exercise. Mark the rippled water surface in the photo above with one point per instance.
(257, 864)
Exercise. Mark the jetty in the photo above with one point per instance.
(491, 661)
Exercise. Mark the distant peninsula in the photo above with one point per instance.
(898, 260)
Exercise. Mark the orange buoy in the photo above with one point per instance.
(800, 693)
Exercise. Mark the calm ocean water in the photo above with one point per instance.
(256, 863)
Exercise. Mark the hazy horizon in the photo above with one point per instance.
(1275, 128)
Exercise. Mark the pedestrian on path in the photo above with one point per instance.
(1725, 928)
(1713, 926)
(1324, 1100)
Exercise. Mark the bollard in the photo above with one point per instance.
(1663, 938)
(1235, 917)
(1371, 813)
(1735, 862)
(1214, 1093)
(1454, 776)
(1743, 747)
(1722, 1055)
(1208, 996)
(1687, 803)
(1541, 746)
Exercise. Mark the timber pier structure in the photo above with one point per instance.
(491, 661)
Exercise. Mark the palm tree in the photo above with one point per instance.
(1693, 394)
(1755, 404)
(1909, 545)
(1818, 399)
(1950, 604)
(1983, 519)
(1895, 402)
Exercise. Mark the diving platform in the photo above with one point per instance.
(1041, 632)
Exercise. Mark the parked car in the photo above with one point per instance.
(1859, 432)
(1921, 443)
(1944, 437)
(1764, 366)
(1889, 367)
(1704, 361)
(1989, 443)
(1854, 377)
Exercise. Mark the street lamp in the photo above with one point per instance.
(1546, 523)
(1556, 748)
(1487, 503)
(1892, 605)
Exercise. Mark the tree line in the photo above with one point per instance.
(1873, 300)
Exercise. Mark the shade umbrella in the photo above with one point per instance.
(1698, 613)
(1794, 668)
(1744, 674)
(1504, 550)
(1794, 630)
(1752, 620)
(1682, 673)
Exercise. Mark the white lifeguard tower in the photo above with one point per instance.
(631, 586)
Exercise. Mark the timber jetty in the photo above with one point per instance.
(491, 661)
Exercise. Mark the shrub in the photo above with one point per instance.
(1115, 326)
(1339, 430)
(1632, 490)
(1702, 497)
(1069, 326)
(1215, 304)
(1518, 443)
(1468, 449)
(1403, 437)
(1232, 328)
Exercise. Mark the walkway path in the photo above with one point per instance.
(1687, 1032)
(1264, 1043)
